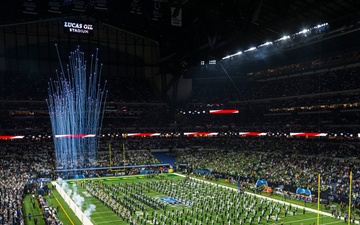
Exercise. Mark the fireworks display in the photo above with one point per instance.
(76, 104)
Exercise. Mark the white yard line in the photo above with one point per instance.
(340, 221)
(295, 221)
(112, 221)
(101, 212)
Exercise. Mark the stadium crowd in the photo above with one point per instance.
(18, 164)
(279, 168)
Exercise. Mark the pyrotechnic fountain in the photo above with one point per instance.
(76, 104)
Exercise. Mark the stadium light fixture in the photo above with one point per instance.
(250, 49)
(321, 25)
(229, 56)
(226, 57)
(265, 44)
(304, 31)
(284, 37)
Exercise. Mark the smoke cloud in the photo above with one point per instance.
(78, 199)
(71, 192)
(89, 210)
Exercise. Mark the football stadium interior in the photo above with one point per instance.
(179, 112)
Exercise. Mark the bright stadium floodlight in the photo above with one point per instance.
(265, 44)
(226, 57)
(304, 31)
(285, 37)
(250, 49)
(229, 56)
(321, 25)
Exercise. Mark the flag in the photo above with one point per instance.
(176, 16)
(158, 9)
(54, 6)
(79, 5)
(101, 4)
(136, 7)
(30, 7)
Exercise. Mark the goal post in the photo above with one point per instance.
(124, 159)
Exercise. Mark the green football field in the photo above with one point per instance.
(169, 199)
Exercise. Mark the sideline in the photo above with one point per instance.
(64, 210)
(73, 207)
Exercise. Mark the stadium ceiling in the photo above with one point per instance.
(209, 28)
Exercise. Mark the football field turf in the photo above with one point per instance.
(170, 199)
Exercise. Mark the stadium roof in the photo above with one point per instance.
(209, 28)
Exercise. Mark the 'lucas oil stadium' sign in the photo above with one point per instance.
(79, 28)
